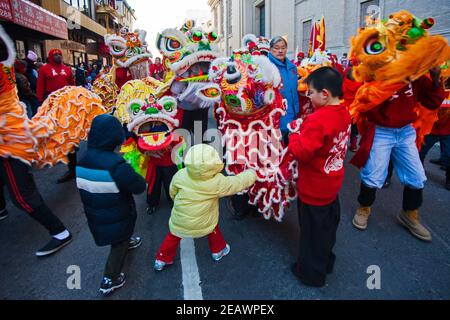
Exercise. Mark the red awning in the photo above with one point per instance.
(29, 15)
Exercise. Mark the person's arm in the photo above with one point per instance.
(430, 92)
(40, 86)
(230, 185)
(127, 179)
(304, 145)
(173, 189)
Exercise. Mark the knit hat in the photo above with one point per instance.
(32, 56)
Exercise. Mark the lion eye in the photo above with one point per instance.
(172, 45)
(374, 46)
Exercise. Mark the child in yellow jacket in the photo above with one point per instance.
(196, 191)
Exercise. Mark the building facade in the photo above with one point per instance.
(293, 19)
(83, 30)
(29, 25)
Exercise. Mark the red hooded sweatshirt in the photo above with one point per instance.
(53, 76)
(320, 149)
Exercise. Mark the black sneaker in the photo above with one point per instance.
(108, 286)
(69, 175)
(53, 246)
(151, 210)
(134, 243)
(3, 214)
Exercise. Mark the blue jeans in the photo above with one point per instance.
(401, 144)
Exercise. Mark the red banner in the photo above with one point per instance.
(5, 10)
(29, 15)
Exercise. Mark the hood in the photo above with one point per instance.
(106, 133)
(203, 162)
(51, 54)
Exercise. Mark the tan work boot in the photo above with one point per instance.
(410, 220)
(361, 216)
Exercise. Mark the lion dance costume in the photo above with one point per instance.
(395, 107)
(131, 62)
(248, 116)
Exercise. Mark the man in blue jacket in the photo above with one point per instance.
(289, 75)
(107, 184)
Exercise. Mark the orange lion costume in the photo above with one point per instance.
(61, 123)
(392, 54)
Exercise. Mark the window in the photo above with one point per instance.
(216, 17)
(222, 18)
(369, 8)
(20, 49)
(262, 19)
(229, 18)
(307, 25)
(82, 5)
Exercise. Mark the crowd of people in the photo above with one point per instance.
(36, 80)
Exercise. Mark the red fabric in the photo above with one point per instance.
(306, 106)
(442, 125)
(216, 241)
(53, 76)
(398, 111)
(122, 76)
(169, 246)
(156, 71)
(361, 156)
(320, 149)
(349, 89)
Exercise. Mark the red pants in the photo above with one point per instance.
(168, 248)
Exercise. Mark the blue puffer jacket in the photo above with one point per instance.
(289, 75)
(107, 184)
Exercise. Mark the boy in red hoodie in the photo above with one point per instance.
(320, 149)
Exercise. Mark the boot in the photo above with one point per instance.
(410, 220)
(354, 144)
(361, 216)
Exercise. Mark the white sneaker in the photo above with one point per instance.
(219, 255)
(159, 265)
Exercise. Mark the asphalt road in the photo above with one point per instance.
(258, 266)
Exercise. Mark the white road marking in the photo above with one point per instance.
(191, 276)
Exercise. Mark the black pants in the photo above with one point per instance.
(412, 198)
(72, 161)
(318, 226)
(164, 176)
(354, 130)
(116, 259)
(240, 204)
(17, 176)
(189, 118)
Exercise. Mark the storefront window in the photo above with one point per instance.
(20, 49)
(83, 5)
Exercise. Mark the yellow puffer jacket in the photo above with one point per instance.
(196, 190)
